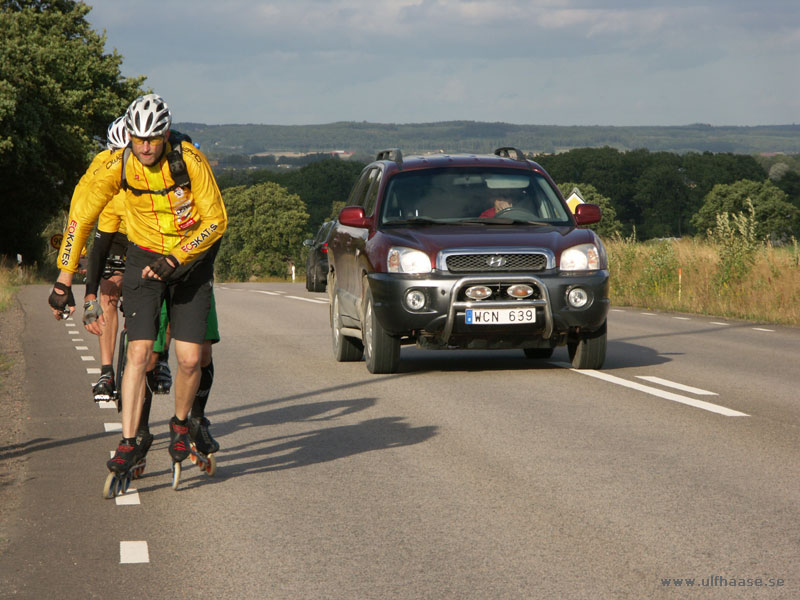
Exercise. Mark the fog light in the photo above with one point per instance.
(415, 300)
(520, 290)
(478, 292)
(578, 297)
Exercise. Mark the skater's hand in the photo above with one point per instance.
(161, 268)
(61, 301)
(93, 319)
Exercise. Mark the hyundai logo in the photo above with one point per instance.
(496, 261)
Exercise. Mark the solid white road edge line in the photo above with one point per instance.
(677, 386)
(720, 410)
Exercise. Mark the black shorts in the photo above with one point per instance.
(187, 294)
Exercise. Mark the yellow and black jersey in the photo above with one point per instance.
(184, 222)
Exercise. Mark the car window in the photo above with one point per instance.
(467, 193)
(374, 177)
(356, 197)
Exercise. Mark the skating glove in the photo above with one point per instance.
(61, 301)
(165, 266)
(91, 311)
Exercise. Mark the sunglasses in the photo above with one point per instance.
(153, 141)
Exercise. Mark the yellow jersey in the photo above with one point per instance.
(185, 222)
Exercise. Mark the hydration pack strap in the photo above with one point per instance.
(177, 168)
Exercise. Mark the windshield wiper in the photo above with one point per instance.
(501, 221)
(413, 221)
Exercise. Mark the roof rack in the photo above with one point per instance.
(393, 154)
(506, 152)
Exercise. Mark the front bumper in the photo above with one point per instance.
(442, 320)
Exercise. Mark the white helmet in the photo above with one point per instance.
(117, 135)
(148, 116)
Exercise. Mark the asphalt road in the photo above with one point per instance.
(467, 475)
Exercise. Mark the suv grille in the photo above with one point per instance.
(495, 263)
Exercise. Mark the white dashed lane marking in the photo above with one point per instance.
(92, 371)
(714, 408)
(109, 427)
(87, 358)
(677, 386)
(133, 552)
(313, 300)
(84, 348)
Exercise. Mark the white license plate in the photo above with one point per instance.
(500, 316)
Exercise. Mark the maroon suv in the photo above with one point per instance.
(465, 251)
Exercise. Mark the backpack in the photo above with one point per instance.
(177, 166)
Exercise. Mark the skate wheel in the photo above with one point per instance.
(124, 483)
(110, 486)
(193, 456)
(211, 468)
(176, 475)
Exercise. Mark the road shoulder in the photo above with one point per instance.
(14, 412)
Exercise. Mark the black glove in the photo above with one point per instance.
(91, 311)
(165, 266)
(61, 301)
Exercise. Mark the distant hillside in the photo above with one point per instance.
(364, 139)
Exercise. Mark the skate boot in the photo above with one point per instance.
(161, 378)
(201, 436)
(125, 462)
(178, 440)
(179, 448)
(144, 439)
(104, 390)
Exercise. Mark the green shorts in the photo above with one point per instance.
(212, 327)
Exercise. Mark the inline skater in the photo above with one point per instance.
(176, 217)
(104, 271)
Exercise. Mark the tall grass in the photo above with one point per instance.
(11, 277)
(729, 273)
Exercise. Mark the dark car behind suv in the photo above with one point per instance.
(317, 260)
(465, 251)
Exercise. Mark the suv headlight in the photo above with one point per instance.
(407, 260)
(585, 257)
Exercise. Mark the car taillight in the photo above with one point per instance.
(324, 248)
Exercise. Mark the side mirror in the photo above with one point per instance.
(586, 214)
(353, 216)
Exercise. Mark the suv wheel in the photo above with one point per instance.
(381, 350)
(345, 349)
(589, 353)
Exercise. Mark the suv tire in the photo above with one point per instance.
(589, 353)
(345, 349)
(381, 350)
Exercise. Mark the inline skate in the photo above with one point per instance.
(179, 447)
(202, 445)
(126, 464)
(160, 378)
(104, 390)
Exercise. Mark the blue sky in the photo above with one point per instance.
(549, 62)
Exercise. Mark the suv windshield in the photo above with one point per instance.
(472, 194)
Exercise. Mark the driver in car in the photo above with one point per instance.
(499, 202)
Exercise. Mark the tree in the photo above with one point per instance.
(266, 228)
(608, 225)
(321, 184)
(662, 195)
(59, 91)
(775, 217)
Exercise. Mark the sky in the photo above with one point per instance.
(535, 62)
